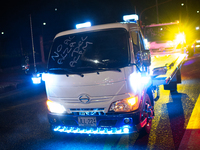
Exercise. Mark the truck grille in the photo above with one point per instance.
(88, 112)
(107, 122)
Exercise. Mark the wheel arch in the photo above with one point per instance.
(149, 91)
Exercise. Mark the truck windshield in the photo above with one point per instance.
(161, 33)
(89, 51)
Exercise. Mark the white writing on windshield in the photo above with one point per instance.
(72, 49)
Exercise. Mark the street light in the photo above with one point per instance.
(31, 27)
(157, 4)
(197, 11)
(182, 4)
(2, 33)
(44, 23)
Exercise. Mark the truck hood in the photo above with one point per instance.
(107, 83)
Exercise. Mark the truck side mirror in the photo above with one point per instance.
(146, 55)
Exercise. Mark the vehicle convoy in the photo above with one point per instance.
(100, 80)
(166, 38)
(196, 45)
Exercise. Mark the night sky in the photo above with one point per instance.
(60, 15)
(14, 14)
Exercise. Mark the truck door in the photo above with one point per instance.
(138, 46)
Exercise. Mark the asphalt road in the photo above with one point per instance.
(24, 124)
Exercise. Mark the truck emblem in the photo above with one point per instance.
(84, 98)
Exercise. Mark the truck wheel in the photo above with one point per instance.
(147, 114)
(172, 86)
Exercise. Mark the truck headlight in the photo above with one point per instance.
(125, 105)
(55, 107)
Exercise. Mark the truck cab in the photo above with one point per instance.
(98, 80)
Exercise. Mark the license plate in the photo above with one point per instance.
(87, 121)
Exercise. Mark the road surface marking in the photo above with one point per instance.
(194, 122)
(191, 138)
(21, 105)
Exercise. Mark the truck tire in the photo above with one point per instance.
(178, 76)
(172, 86)
(147, 113)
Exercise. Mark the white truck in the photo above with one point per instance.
(100, 80)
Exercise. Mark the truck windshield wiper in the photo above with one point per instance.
(66, 71)
(97, 70)
(60, 69)
(80, 73)
(111, 69)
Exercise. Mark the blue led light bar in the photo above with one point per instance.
(122, 130)
(83, 25)
(36, 79)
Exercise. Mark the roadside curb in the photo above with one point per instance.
(13, 86)
(14, 77)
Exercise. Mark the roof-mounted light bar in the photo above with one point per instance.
(83, 25)
(128, 18)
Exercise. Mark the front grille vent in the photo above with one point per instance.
(88, 112)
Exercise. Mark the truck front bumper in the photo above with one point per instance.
(105, 124)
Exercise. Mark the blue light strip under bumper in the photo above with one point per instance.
(103, 130)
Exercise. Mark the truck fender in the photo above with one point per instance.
(146, 112)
